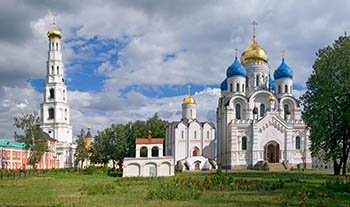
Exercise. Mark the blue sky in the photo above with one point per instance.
(126, 60)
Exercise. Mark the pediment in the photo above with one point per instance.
(272, 119)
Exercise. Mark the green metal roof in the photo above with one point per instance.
(5, 143)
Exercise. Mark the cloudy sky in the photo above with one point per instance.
(126, 60)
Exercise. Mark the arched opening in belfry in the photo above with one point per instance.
(52, 93)
(155, 151)
(51, 113)
(143, 152)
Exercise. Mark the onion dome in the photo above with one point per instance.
(189, 99)
(283, 71)
(54, 32)
(223, 85)
(236, 69)
(254, 53)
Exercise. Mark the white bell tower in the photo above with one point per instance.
(54, 109)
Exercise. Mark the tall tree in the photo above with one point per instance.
(81, 152)
(118, 153)
(327, 104)
(33, 137)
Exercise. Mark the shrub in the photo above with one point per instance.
(172, 191)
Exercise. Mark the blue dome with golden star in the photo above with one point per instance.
(236, 69)
(283, 71)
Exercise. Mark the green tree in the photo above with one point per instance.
(33, 137)
(81, 153)
(327, 104)
(119, 149)
(101, 148)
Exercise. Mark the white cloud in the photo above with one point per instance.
(166, 43)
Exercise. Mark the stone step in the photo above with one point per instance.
(276, 167)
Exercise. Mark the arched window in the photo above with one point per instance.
(143, 152)
(297, 142)
(243, 88)
(51, 113)
(64, 94)
(52, 46)
(52, 69)
(52, 93)
(182, 134)
(58, 69)
(286, 111)
(65, 114)
(56, 46)
(237, 87)
(262, 110)
(257, 80)
(191, 113)
(238, 111)
(279, 89)
(286, 89)
(155, 152)
(195, 152)
(244, 143)
(208, 135)
(291, 89)
(231, 87)
(195, 134)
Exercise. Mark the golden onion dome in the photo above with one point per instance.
(254, 53)
(189, 99)
(54, 33)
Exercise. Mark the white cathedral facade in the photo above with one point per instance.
(190, 142)
(55, 110)
(259, 119)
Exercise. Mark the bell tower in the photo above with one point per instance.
(55, 110)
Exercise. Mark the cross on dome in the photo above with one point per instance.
(189, 99)
(254, 28)
(54, 19)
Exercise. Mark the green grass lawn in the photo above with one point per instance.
(74, 189)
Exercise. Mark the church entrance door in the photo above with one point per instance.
(272, 152)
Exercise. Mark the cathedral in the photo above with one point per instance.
(190, 142)
(258, 119)
(55, 110)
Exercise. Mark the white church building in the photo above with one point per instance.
(55, 110)
(190, 142)
(258, 118)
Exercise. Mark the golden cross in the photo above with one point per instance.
(236, 50)
(283, 52)
(254, 27)
(53, 19)
(189, 89)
